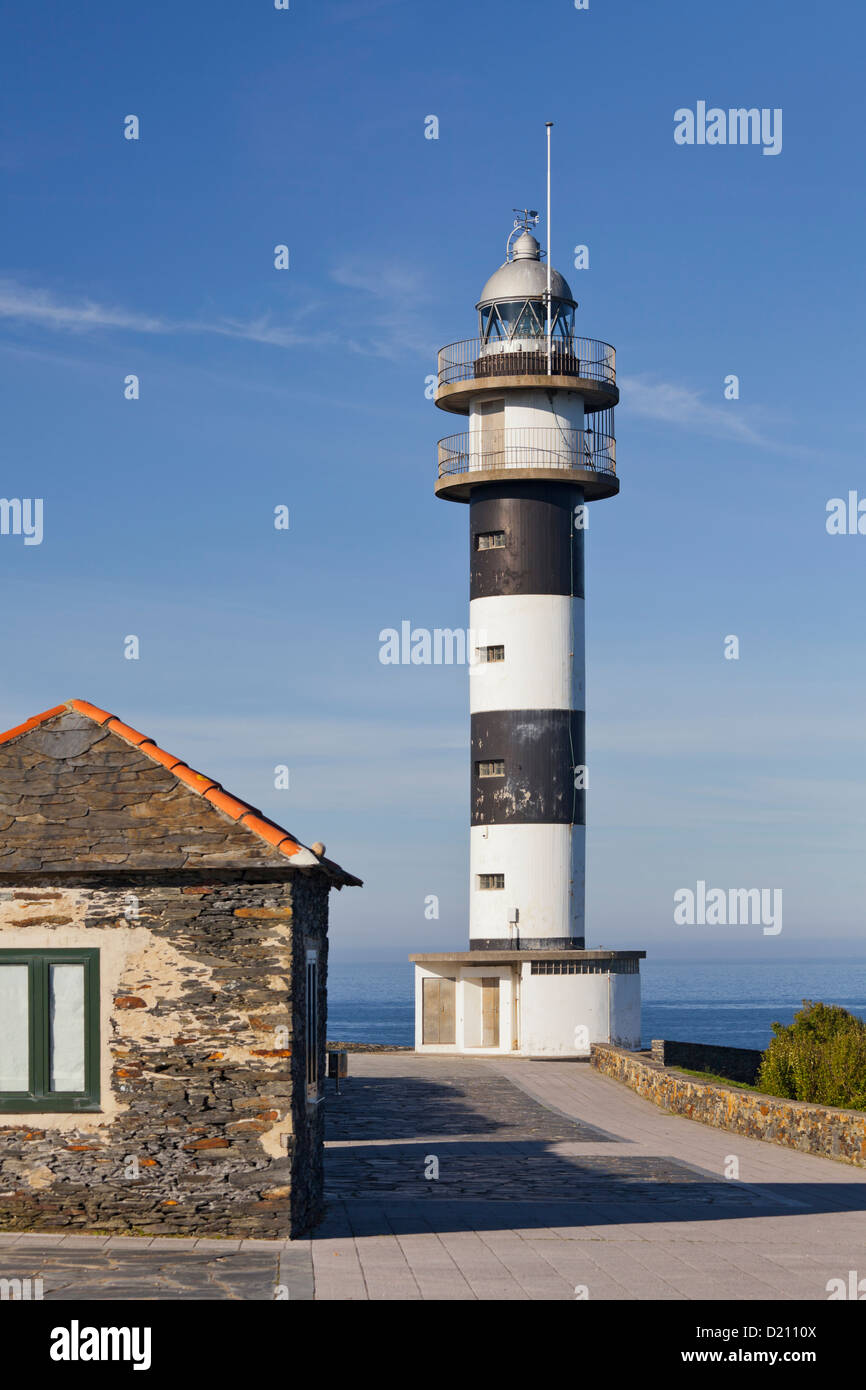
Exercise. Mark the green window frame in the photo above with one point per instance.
(39, 1095)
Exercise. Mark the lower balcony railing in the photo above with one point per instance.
(586, 450)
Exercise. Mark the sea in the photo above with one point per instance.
(733, 1005)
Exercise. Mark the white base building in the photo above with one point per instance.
(533, 1003)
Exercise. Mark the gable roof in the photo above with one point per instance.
(117, 783)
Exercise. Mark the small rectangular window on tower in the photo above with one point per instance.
(494, 768)
(491, 653)
(491, 881)
(490, 540)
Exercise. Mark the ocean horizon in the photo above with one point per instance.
(726, 1004)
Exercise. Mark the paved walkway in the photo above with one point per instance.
(458, 1178)
(555, 1182)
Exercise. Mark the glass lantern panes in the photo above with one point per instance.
(525, 318)
(509, 316)
(531, 322)
(563, 325)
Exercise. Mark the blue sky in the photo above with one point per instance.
(306, 387)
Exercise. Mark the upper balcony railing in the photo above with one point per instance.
(583, 358)
(576, 451)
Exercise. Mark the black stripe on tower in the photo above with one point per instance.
(538, 549)
(538, 750)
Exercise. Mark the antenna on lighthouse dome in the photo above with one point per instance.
(526, 218)
(549, 125)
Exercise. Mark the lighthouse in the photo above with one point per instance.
(537, 446)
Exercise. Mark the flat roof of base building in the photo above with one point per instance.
(508, 957)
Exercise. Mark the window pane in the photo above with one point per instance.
(491, 881)
(531, 325)
(14, 1015)
(564, 324)
(67, 1027)
(509, 314)
(490, 540)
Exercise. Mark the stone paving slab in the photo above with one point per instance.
(134, 1269)
(444, 1097)
(520, 1172)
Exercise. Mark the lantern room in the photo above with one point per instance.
(512, 309)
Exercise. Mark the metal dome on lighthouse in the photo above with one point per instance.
(513, 303)
(540, 445)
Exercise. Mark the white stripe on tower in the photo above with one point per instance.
(544, 868)
(543, 639)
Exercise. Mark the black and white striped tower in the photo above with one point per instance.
(539, 447)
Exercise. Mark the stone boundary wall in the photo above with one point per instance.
(736, 1063)
(816, 1129)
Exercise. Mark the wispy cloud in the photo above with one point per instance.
(678, 405)
(40, 308)
(391, 329)
(687, 409)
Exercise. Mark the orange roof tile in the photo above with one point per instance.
(197, 782)
(159, 755)
(99, 716)
(224, 802)
(280, 839)
(131, 735)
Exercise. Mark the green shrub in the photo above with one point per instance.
(820, 1057)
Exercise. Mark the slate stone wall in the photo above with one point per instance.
(816, 1129)
(737, 1063)
(206, 1128)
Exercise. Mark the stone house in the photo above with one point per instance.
(163, 967)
